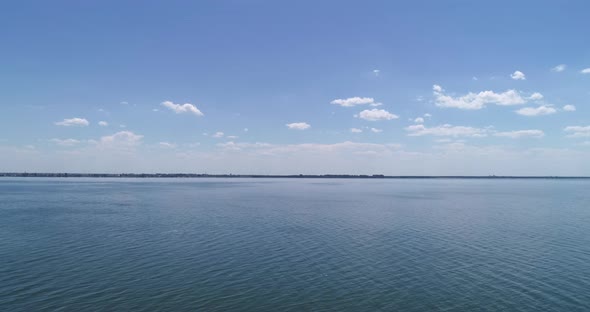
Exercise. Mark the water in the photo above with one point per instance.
(294, 245)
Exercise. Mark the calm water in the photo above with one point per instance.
(294, 245)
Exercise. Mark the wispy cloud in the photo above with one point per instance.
(122, 137)
(521, 134)
(298, 126)
(65, 142)
(577, 131)
(536, 111)
(446, 130)
(233, 146)
(347, 147)
(569, 108)
(355, 101)
(559, 68)
(167, 145)
(69, 122)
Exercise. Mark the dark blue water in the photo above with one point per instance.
(294, 245)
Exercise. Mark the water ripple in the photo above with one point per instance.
(295, 245)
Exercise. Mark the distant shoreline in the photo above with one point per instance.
(294, 176)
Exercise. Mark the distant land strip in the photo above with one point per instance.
(292, 176)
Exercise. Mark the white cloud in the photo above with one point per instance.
(218, 134)
(65, 142)
(446, 130)
(474, 78)
(298, 126)
(245, 129)
(122, 140)
(559, 68)
(376, 72)
(376, 114)
(477, 100)
(569, 108)
(354, 101)
(356, 130)
(536, 111)
(232, 137)
(518, 75)
(184, 108)
(73, 122)
(585, 71)
(122, 136)
(419, 120)
(521, 134)
(427, 115)
(124, 103)
(167, 145)
(103, 123)
(577, 131)
(536, 96)
(375, 130)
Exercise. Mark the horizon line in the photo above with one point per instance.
(230, 175)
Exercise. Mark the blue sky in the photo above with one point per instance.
(272, 87)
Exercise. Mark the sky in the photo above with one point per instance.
(296, 87)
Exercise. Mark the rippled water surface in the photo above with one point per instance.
(294, 245)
